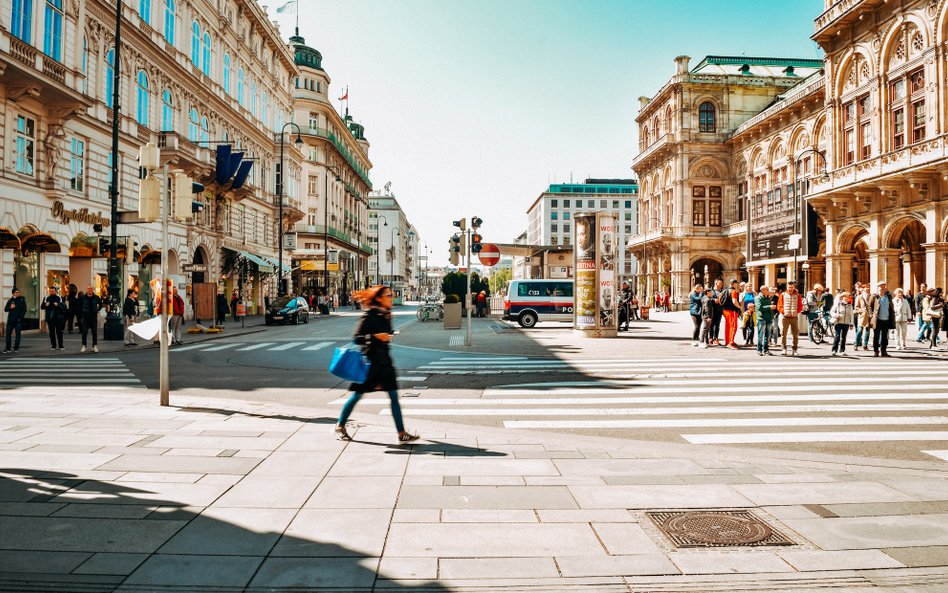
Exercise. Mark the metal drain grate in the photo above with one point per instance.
(715, 529)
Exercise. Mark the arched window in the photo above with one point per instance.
(253, 98)
(144, 10)
(196, 44)
(240, 87)
(22, 25)
(706, 117)
(85, 65)
(264, 107)
(668, 120)
(205, 136)
(206, 65)
(226, 75)
(167, 111)
(169, 21)
(53, 38)
(109, 77)
(141, 113)
(193, 129)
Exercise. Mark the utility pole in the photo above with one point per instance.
(470, 301)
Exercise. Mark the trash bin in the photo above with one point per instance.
(643, 312)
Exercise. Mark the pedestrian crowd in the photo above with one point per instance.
(770, 317)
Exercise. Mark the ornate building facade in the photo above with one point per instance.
(194, 76)
(835, 172)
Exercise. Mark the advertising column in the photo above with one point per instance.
(594, 274)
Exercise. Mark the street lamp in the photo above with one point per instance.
(797, 226)
(298, 142)
(378, 250)
(806, 275)
(395, 231)
(114, 329)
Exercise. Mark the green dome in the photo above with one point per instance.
(306, 56)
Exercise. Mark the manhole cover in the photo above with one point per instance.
(700, 529)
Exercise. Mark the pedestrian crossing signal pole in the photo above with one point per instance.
(470, 301)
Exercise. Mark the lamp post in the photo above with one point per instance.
(114, 328)
(806, 274)
(298, 142)
(797, 226)
(395, 231)
(378, 251)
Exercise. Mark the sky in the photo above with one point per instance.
(474, 107)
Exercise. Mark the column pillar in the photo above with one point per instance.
(915, 272)
(752, 272)
(884, 267)
(836, 272)
(935, 254)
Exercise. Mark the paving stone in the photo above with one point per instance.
(791, 478)
(335, 532)
(377, 492)
(485, 497)
(12, 561)
(873, 532)
(416, 516)
(182, 452)
(742, 561)
(195, 571)
(68, 534)
(789, 512)
(931, 489)
(231, 531)
(29, 509)
(181, 464)
(355, 462)
(64, 448)
(105, 511)
(160, 477)
(296, 463)
(607, 566)
(344, 573)
(276, 492)
(408, 568)
(102, 439)
(869, 509)
(811, 493)
(918, 556)
(641, 480)
(584, 516)
(653, 497)
(563, 480)
(628, 467)
(813, 560)
(111, 564)
(154, 493)
(497, 568)
(60, 462)
(500, 540)
(548, 455)
(422, 466)
(625, 539)
(491, 481)
(487, 516)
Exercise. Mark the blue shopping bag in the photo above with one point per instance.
(349, 364)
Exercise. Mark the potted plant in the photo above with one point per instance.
(452, 311)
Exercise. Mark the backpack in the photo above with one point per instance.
(724, 297)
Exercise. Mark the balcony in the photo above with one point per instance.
(292, 208)
(349, 240)
(180, 153)
(842, 13)
(655, 233)
(658, 149)
(27, 72)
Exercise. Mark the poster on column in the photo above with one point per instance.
(584, 271)
(606, 229)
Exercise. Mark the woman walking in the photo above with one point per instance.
(903, 314)
(374, 333)
(934, 307)
(841, 315)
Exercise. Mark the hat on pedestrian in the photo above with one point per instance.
(881, 283)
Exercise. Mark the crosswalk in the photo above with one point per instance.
(258, 346)
(705, 400)
(86, 370)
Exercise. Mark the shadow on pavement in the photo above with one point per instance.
(61, 533)
(225, 412)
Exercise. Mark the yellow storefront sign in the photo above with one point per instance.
(316, 265)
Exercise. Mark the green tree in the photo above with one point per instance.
(499, 280)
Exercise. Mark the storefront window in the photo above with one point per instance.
(26, 278)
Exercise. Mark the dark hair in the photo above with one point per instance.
(15, 290)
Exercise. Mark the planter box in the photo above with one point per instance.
(452, 316)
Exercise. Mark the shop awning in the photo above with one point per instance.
(150, 256)
(8, 239)
(35, 241)
(262, 264)
(287, 268)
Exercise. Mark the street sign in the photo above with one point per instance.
(489, 254)
(193, 268)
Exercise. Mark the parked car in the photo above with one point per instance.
(288, 309)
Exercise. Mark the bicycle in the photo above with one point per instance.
(821, 327)
(429, 311)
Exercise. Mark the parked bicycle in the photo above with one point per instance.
(821, 327)
(430, 311)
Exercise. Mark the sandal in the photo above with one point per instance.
(407, 437)
(341, 433)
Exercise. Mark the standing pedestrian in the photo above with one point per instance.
(765, 314)
(775, 293)
(177, 316)
(221, 307)
(374, 333)
(130, 311)
(707, 317)
(935, 307)
(56, 311)
(718, 310)
(922, 295)
(89, 306)
(882, 319)
(789, 306)
(72, 307)
(862, 317)
(694, 308)
(811, 306)
(234, 299)
(903, 314)
(731, 309)
(841, 314)
(16, 311)
(749, 323)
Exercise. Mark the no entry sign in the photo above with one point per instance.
(489, 255)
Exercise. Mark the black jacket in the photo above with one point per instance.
(130, 307)
(55, 308)
(382, 372)
(222, 306)
(18, 312)
(89, 306)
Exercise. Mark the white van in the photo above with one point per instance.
(530, 301)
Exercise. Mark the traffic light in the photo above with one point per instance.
(196, 206)
(149, 199)
(476, 222)
(461, 224)
(184, 190)
(105, 245)
(452, 253)
(476, 243)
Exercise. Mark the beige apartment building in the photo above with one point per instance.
(829, 171)
(195, 76)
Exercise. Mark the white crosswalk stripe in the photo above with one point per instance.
(73, 371)
(215, 346)
(318, 346)
(853, 399)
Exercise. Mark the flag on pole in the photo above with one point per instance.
(345, 95)
(288, 8)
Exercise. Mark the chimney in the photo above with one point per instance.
(681, 63)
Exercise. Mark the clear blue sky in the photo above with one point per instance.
(475, 107)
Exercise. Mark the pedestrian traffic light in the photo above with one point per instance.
(452, 254)
(104, 246)
(476, 222)
(476, 243)
(461, 224)
(149, 199)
